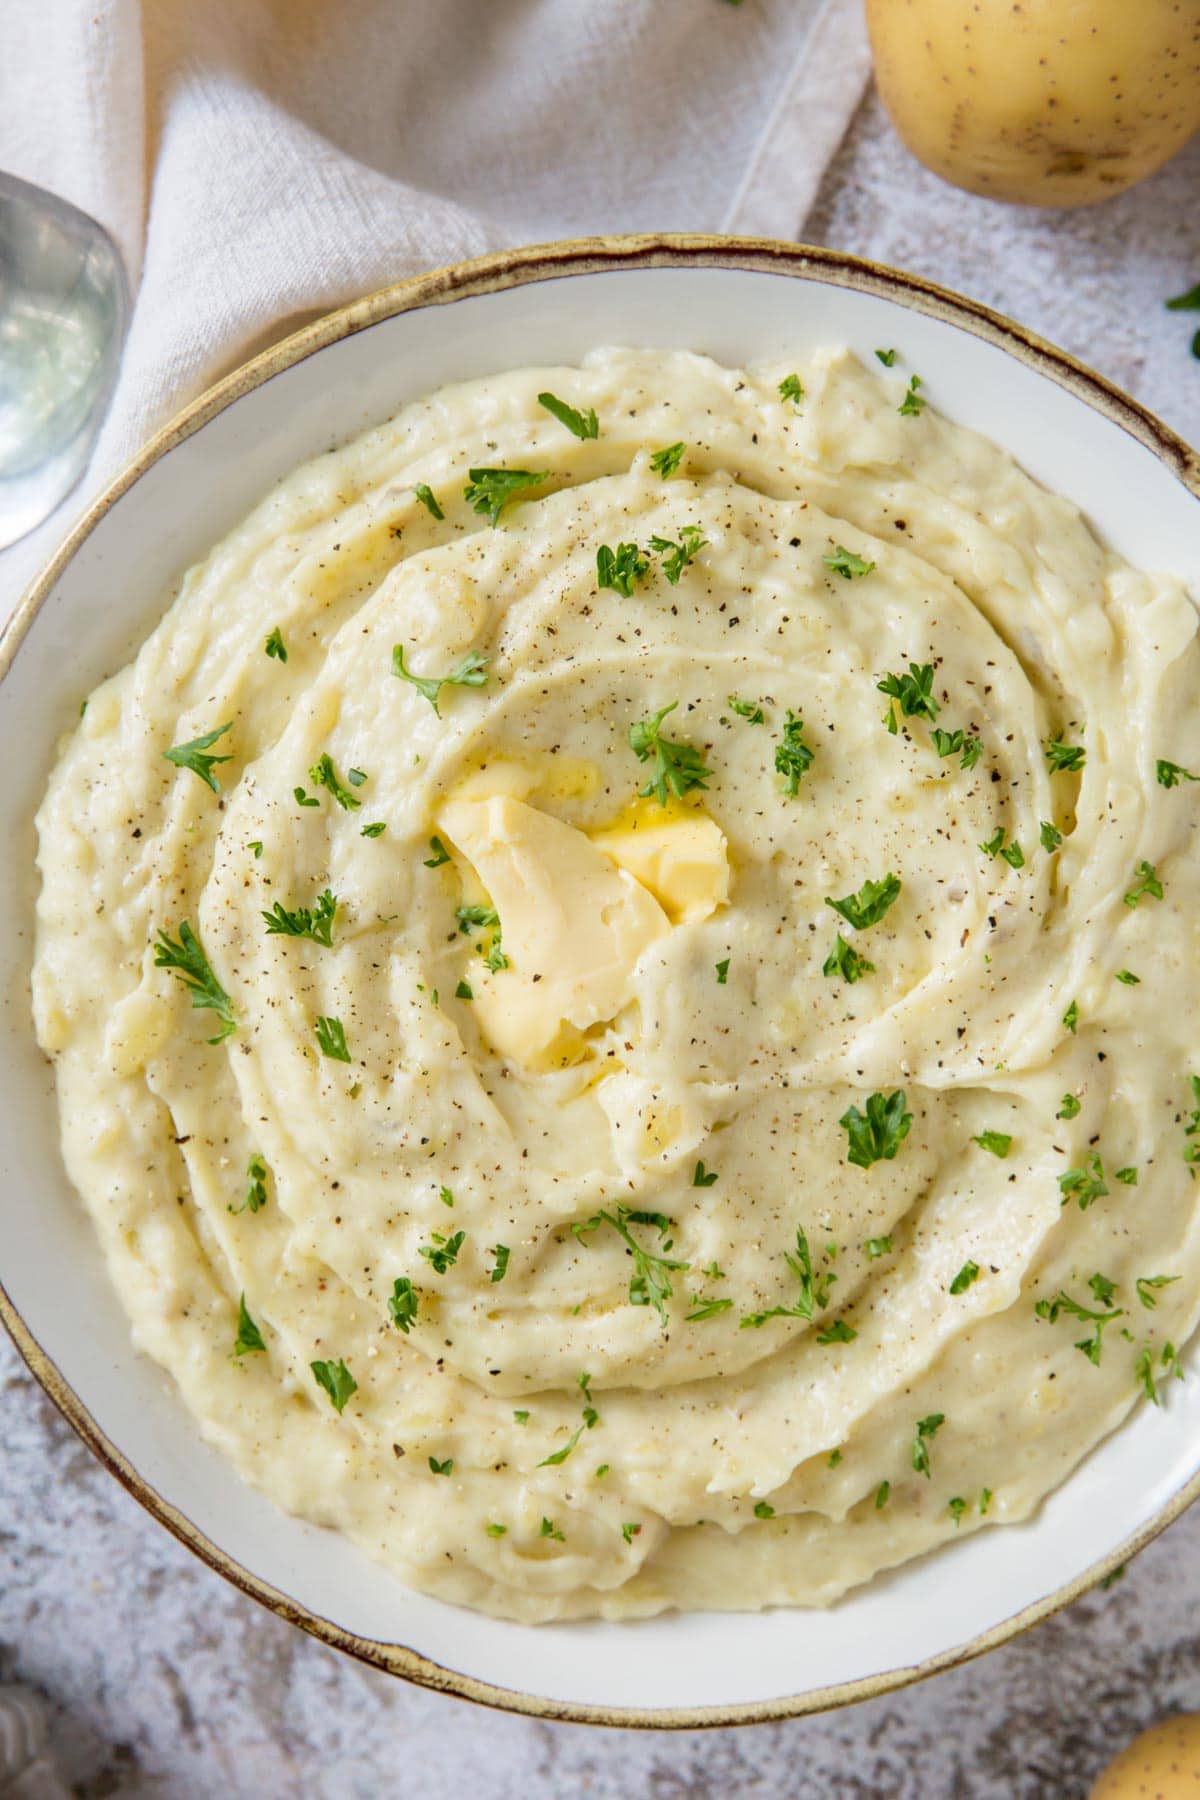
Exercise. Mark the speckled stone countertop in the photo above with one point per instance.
(162, 1680)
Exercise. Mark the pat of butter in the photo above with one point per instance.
(680, 855)
(573, 927)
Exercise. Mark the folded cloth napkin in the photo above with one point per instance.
(262, 159)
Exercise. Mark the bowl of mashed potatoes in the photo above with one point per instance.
(603, 854)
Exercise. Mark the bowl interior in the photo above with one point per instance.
(104, 602)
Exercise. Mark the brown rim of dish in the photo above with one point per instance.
(490, 274)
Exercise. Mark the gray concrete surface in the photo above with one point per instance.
(163, 1681)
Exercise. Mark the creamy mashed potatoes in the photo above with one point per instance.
(628, 1029)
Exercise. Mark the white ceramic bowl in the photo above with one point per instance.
(738, 301)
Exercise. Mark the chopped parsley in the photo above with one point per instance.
(871, 902)
(1084, 1185)
(665, 462)
(1146, 1284)
(402, 1304)
(1092, 1345)
(256, 844)
(791, 388)
(677, 768)
(1170, 774)
(793, 757)
(580, 424)
(375, 829)
(548, 1529)
(1129, 978)
(677, 556)
(1189, 302)
(1144, 1367)
(323, 774)
(499, 1270)
(472, 918)
(722, 969)
(1071, 1107)
(1191, 1152)
(471, 672)
(315, 922)
(1063, 758)
(521, 1415)
(845, 563)
(845, 961)
(303, 799)
(1051, 837)
(275, 645)
(886, 357)
(618, 569)
(440, 854)
(650, 1283)
(1145, 882)
(1071, 1017)
(629, 1532)
(560, 1456)
(441, 1468)
(966, 1277)
(331, 1037)
(489, 490)
(747, 709)
(965, 745)
(814, 1289)
(192, 756)
(256, 1186)
(189, 962)
(763, 1509)
(249, 1338)
(336, 1380)
(703, 1177)
(998, 1142)
(883, 1494)
(956, 1508)
(1012, 853)
(913, 402)
(463, 991)
(496, 1531)
(879, 1246)
(442, 1254)
(914, 691)
(837, 1333)
(927, 1430)
(706, 1309)
(428, 499)
(876, 1135)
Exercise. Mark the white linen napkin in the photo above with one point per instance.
(260, 159)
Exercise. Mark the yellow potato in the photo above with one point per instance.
(1047, 102)
(1162, 1764)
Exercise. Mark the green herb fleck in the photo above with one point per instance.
(249, 1338)
(428, 499)
(442, 1254)
(876, 1135)
(966, 1277)
(618, 569)
(1050, 835)
(677, 767)
(580, 424)
(677, 556)
(1070, 1108)
(1071, 1017)
(913, 402)
(1145, 882)
(1063, 758)
(650, 1283)
(879, 1246)
(189, 962)
(499, 1270)
(375, 829)
(957, 1507)
(441, 1468)
(998, 1142)
(871, 902)
(440, 854)
(837, 1333)
(315, 922)
(665, 462)
(927, 1429)
(747, 709)
(324, 774)
(883, 1494)
(336, 1380)
(256, 1186)
(1146, 1284)
(402, 1304)
(1170, 774)
(845, 563)
(560, 1456)
(886, 357)
(471, 672)
(722, 969)
(914, 691)
(548, 1529)
(191, 756)
(791, 388)
(275, 645)
(845, 961)
(1084, 1185)
(814, 1289)
(703, 1177)
(793, 757)
(960, 743)
(331, 1037)
(489, 491)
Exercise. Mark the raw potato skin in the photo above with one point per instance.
(1041, 102)
(1162, 1763)
(1036, 631)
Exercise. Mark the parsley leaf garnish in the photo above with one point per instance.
(703, 1177)
(1062, 1302)
(650, 1283)
(870, 903)
(1050, 835)
(837, 1333)
(476, 918)
(706, 1309)
(927, 1429)
(1065, 758)
(440, 854)
(913, 402)
(998, 1142)
(315, 922)
(845, 563)
(677, 556)
(275, 645)
(876, 1135)
(791, 388)
(490, 490)
(722, 969)
(1084, 1185)
(793, 757)
(618, 569)
(189, 962)
(1145, 1284)
(1170, 774)
(249, 1338)
(501, 1252)
(331, 1037)
(879, 1246)
(428, 499)
(442, 1254)
(191, 756)
(883, 1494)
(1146, 882)
(814, 1290)
(375, 829)
(441, 1468)
(471, 672)
(1191, 1152)
(845, 961)
(1189, 302)
(677, 767)
(886, 357)
(336, 1380)
(665, 462)
(966, 1277)
(747, 709)
(548, 1529)
(914, 691)
(581, 424)
(1071, 1017)
(1070, 1108)
(402, 1304)
(256, 1186)
(1128, 977)
(763, 1509)
(959, 743)
(629, 1532)
(560, 1456)
(1012, 853)
(324, 774)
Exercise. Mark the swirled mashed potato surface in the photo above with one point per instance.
(517, 1161)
